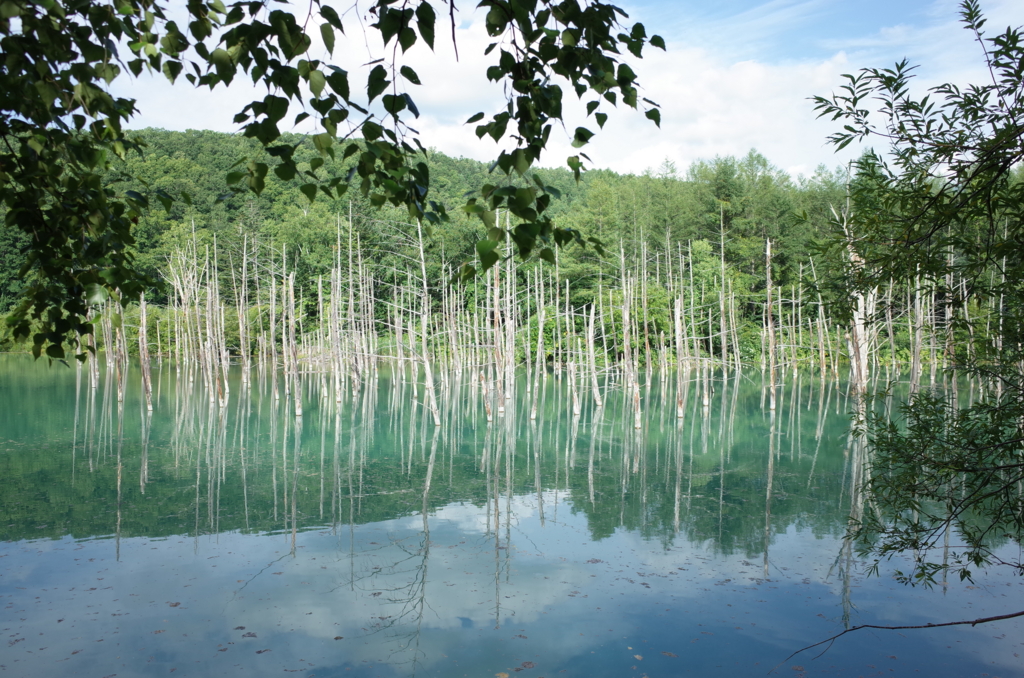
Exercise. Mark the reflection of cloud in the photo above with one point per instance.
(467, 518)
(486, 601)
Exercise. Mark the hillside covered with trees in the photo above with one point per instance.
(649, 222)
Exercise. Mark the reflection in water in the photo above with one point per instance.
(360, 534)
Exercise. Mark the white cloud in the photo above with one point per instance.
(716, 99)
(713, 107)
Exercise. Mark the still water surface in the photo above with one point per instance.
(361, 540)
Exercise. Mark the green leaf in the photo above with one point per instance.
(96, 294)
(581, 137)
(164, 199)
(655, 115)
(573, 161)
(406, 38)
(425, 19)
(371, 131)
(338, 81)
(285, 172)
(625, 76)
(9, 9)
(393, 104)
(275, 107)
(327, 33)
(317, 81)
(496, 20)
(172, 69)
(377, 82)
(411, 105)
(657, 41)
(308, 190)
(485, 246)
(520, 161)
(331, 16)
(475, 118)
(322, 143)
(221, 61)
(410, 75)
(257, 176)
(488, 259)
(390, 22)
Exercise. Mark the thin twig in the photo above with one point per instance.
(834, 638)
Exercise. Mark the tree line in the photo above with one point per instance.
(698, 235)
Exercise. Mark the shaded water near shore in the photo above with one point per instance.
(361, 540)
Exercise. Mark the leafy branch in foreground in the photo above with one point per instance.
(942, 210)
(945, 183)
(941, 473)
(61, 129)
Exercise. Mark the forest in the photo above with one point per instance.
(698, 236)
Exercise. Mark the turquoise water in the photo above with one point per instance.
(361, 540)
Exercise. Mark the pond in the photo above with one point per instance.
(363, 540)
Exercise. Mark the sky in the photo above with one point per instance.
(737, 75)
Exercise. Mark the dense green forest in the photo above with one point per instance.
(717, 215)
(749, 197)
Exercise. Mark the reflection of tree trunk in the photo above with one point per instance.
(499, 448)
(794, 416)
(510, 464)
(74, 429)
(220, 459)
(537, 478)
(199, 471)
(147, 421)
(486, 467)
(823, 406)
(731, 428)
(721, 479)
(858, 471)
(768, 492)
(90, 424)
(120, 471)
(421, 595)
(677, 453)
(284, 471)
(723, 410)
(273, 452)
(242, 448)
(680, 427)
(323, 449)
(296, 451)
